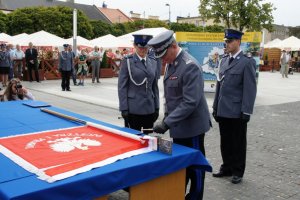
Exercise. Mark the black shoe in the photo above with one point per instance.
(68, 89)
(63, 89)
(222, 174)
(236, 179)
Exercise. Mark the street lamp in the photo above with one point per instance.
(169, 12)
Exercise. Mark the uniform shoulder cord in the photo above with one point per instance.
(137, 84)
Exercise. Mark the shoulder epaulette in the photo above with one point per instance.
(152, 57)
(248, 56)
(187, 60)
(128, 56)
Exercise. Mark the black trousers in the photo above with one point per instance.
(138, 121)
(65, 79)
(233, 134)
(195, 175)
(36, 72)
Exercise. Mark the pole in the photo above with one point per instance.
(169, 12)
(75, 31)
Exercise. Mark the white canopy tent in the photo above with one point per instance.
(147, 31)
(40, 38)
(292, 44)
(4, 37)
(110, 41)
(273, 43)
(17, 37)
(81, 41)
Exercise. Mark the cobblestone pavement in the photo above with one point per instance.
(273, 161)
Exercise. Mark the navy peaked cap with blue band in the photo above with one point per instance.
(233, 34)
(66, 45)
(141, 40)
(161, 43)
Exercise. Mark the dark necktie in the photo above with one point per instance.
(143, 61)
(230, 60)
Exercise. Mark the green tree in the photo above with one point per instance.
(3, 22)
(252, 15)
(294, 31)
(104, 62)
(56, 20)
(100, 28)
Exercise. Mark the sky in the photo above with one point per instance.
(287, 12)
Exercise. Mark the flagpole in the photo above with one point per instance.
(75, 31)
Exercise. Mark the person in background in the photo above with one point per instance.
(233, 105)
(138, 87)
(31, 55)
(284, 64)
(101, 51)
(15, 91)
(124, 52)
(18, 61)
(186, 110)
(82, 67)
(5, 63)
(65, 67)
(110, 54)
(10, 49)
(73, 66)
(117, 61)
(95, 57)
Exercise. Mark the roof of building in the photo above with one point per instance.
(91, 11)
(115, 15)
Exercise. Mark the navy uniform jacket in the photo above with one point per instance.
(186, 106)
(66, 60)
(143, 99)
(236, 91)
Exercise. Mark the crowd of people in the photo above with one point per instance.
(86, 61)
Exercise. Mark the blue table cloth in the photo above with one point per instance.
(17, 183)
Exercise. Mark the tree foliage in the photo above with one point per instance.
(294, 31)
(252, 15)
(3, 22)
(57, 20)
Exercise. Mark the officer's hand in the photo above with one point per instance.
(155, 115)
(161, 127)
(245, 118)
(125, 114)
(214, 114)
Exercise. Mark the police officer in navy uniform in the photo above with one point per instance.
(233, 104)
(186, 110)
(65, 67)
(138, 87)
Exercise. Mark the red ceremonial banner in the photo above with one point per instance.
(54, 155)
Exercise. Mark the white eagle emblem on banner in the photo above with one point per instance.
(69, 144)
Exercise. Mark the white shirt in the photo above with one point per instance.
(19, 54)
